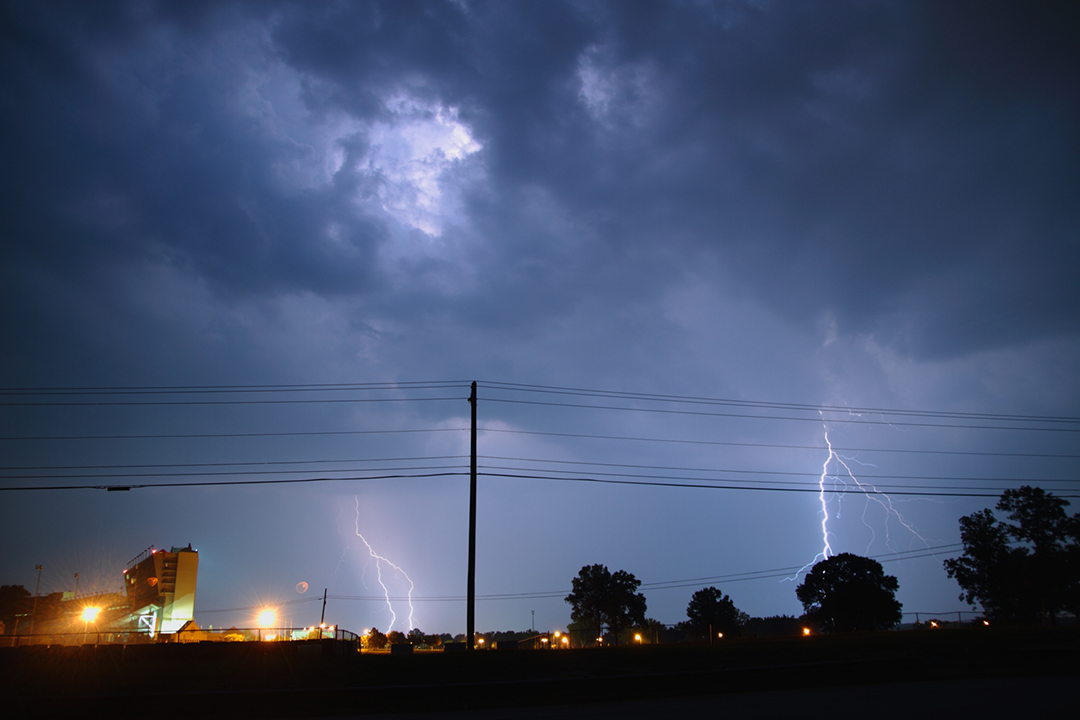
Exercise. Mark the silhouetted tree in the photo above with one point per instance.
(416, 636)
(396, 638)
(849, 592)
(711, 609)
(1020, 584)
(14, 601)
(602, 598)
(374, 640)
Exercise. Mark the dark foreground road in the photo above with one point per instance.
(959, 675)
(1016, 698)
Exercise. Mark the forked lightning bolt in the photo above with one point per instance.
(379, 560)
(868, 490)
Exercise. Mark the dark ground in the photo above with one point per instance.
(982, 673)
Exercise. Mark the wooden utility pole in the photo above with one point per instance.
(470, 630)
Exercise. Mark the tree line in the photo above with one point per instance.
(1022, 570)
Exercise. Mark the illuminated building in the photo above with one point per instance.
(160, 588)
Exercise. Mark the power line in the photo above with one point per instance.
(211, 483)
(819, 448)
(207, 389)
(756, 472)
(227, 464)
(522, 387)
(215, 473)
(156, 403)
(757, 484)
(854, 491)
(701, 413)
(920, 553)
(701, 484)
(229, 435)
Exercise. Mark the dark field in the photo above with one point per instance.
(292, 680)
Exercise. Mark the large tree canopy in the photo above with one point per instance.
(710, 609)
(601, 598)
(849, 592)
(1025, 582)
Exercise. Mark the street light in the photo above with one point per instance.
(89, 615)
(267, 618)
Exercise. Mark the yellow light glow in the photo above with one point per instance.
(638, 637)
(806, 631)
(89, 614)
(267, 618)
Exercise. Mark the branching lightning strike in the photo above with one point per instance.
(379, 559)
(868, 490)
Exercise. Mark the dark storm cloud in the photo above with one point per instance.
(137, 149)
(906, 168)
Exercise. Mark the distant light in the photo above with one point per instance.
(986, 622)
(719, 635)
(806, 631)
(933, 623)
(267, 618)
(89, 614)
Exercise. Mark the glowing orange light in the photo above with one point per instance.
(806, 631)
(89, 614)
(267, 618)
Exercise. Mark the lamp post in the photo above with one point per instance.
(33, 616)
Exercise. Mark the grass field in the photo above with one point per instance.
(290, 679)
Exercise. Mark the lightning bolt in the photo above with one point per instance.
(868, 490)
(379, 560)
(826, 547)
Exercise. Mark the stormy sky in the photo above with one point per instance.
(685, 243)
